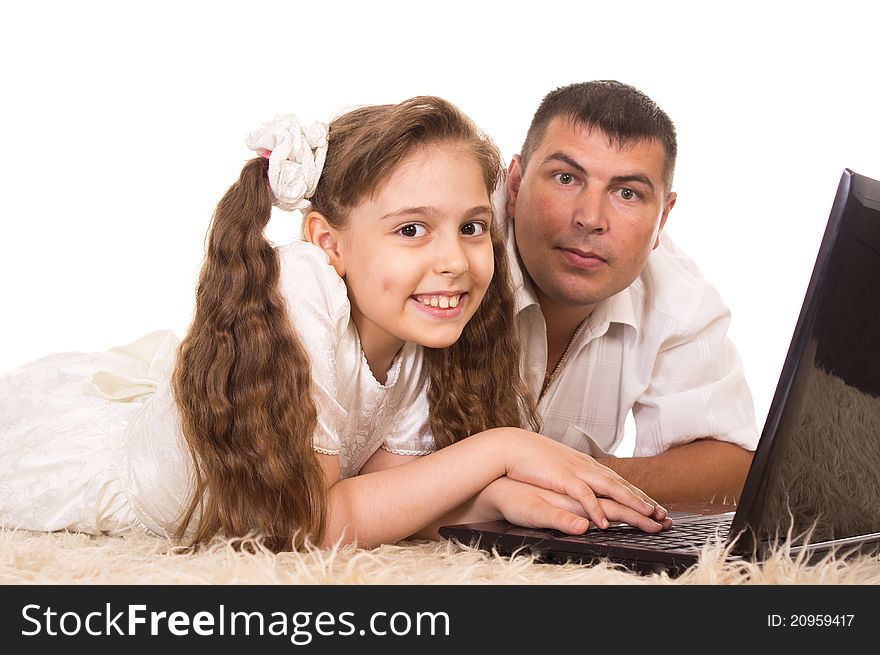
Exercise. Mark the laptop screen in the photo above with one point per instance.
(816, 471)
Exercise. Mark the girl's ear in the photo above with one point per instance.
(319, 232)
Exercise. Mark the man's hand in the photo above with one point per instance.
(706, 470)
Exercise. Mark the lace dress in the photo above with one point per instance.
(91, 441)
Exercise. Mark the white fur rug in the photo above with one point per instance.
(134, 558)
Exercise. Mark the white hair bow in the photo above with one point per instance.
(296, 156)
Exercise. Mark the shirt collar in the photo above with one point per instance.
(623, 307)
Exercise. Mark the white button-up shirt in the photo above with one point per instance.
(659, 348)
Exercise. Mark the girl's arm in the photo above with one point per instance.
(384, 506)
(523, 504)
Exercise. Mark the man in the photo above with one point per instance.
(615, 317)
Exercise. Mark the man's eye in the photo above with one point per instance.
(565, 178)
(473, 229)
(627, 194)
(412, 230)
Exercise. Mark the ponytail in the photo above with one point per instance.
(242, 383)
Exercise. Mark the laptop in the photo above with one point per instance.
(814, 482)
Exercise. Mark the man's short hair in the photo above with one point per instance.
(621, 111)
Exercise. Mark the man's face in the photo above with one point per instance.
(587, 213)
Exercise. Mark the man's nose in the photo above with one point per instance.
(591, 211)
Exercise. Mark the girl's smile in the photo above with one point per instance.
(441, 305)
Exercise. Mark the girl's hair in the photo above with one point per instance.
(242, 379)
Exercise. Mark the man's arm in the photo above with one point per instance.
(702, 470)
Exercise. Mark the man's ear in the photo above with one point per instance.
(318, 231)
(514, 178)
(667, 207)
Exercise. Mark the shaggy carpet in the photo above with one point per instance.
(135, 558)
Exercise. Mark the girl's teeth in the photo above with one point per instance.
(443, 302)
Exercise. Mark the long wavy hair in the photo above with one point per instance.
(242, 380)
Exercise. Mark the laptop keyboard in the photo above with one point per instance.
(692, 534)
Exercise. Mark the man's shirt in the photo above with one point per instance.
(658, 348)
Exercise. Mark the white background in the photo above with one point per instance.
(122, 125)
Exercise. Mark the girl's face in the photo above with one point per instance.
(417, 256)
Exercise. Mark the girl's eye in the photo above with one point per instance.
(412, 230)
(473, 229)
(627, 194)
(564, 178)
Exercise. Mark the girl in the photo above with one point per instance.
(317, 377)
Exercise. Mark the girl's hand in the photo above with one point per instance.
(535, 507)
(543, 462)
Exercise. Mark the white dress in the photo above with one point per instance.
(91, 441)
